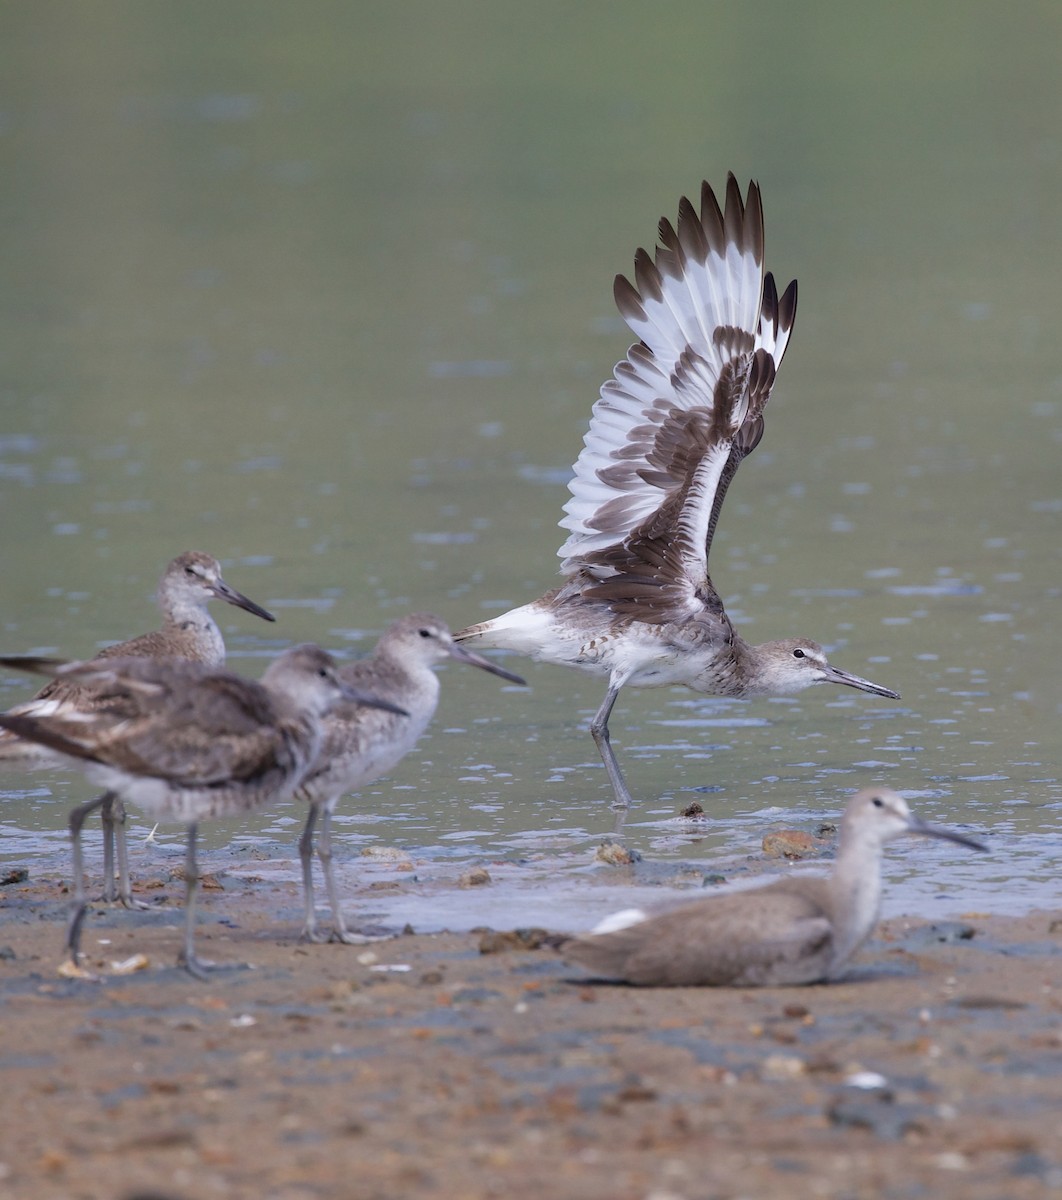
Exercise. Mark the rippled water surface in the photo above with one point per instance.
(327, 292)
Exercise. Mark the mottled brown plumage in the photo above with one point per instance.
(361, 744)
(187, 742)
(188, 632)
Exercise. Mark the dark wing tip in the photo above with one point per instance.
(627, 299)
(33, 664)
(649, 283)
(691, 233)
(738, 222)
(734, 213)
(32, 729)
(787, 306)
(780, 312)
(712, 219)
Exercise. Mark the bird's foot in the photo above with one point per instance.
(202, 968)
(71, 968)
(349, 938)
(72, 943)
(128, 901)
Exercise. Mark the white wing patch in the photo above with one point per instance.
(623, 919)
(700, 306)
(723, 290)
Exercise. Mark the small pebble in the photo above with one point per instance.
(477, 877)
(494, 942)
(783, 1066)
(616, 855)
(868, 1080)
(391, 854)
(72, 970)
(127, 966)
(790, 843)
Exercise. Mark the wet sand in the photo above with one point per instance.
(467, 1065)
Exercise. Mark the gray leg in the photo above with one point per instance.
(115, 814)
(340, 932)
(599, 732)
(78, 906)
(108, 818)
(310, 932)
(187, 957)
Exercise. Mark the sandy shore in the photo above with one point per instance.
(458, 1065)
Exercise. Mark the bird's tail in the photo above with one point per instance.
(17, 752)
(44, 736)
(475, 633)
(521, 629)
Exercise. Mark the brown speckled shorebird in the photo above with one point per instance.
(188, 743)
(360, 744)
(667, 435)
(795, 930)
(188, 632)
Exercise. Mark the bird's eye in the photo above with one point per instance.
(877, 802)
(798, 653)
(424, 632)
(190, 571)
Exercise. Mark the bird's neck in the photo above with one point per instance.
(735, 670)
(200, 629)
(409, 679)
(300, 732)
(855, 888)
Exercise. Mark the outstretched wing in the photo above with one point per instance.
(682, 410)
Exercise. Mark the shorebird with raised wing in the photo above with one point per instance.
(188, 632)
(667, 435)
(796, 930)
(361, 744)
(188, 743)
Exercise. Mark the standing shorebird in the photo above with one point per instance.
(188, 632)
(795, 930)
(361, 744)
(667, 435)
(188, 743)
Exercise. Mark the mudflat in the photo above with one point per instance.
(479, 1064)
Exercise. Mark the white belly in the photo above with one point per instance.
(642, 654)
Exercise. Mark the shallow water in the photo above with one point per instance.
(331, 299)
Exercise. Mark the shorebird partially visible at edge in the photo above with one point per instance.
(188, 632)
(188, 743)
(362, 744)
(667, 435)
(799, 929)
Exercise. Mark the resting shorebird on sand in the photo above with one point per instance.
(188, 632)
(666, 437)
(361, 744)
(188, 743)
(800, 929)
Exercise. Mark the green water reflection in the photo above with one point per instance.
(326, 290)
